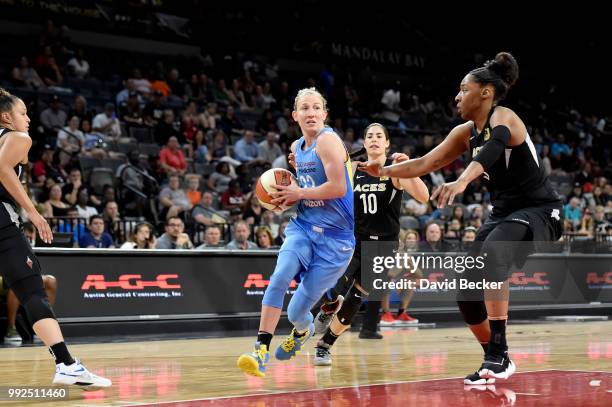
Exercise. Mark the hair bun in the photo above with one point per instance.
(505, 66)
(4, 92)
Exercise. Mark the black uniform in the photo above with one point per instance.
(377, 206)
(16, 256)
(520, 190)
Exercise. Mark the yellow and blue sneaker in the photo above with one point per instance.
(254, 363)
(292, 344)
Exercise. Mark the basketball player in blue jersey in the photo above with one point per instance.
(20, 267)
(319, 242)
(525, 206)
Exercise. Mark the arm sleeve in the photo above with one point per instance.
(494, 148)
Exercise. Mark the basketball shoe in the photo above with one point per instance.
(78, 375)
(387, 319)
(254, 363)
(405, 319)
(326, 314)
(497, 366)
(292, 344)
(322, 354)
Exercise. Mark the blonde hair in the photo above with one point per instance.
(309, 91)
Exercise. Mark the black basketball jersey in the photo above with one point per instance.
(376, 205)
(4, 194)
(517, 179)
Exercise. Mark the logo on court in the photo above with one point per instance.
(29, 261)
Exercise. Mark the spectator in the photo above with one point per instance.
(26, 76)
(204, 213)
(572, 214)
(280, 239)
(220, 179)
(172, 158)
(54, 206)
(468, 238)
(45, 168)
(122, 97)
(131, 111)
(29, 232)
(96, 237)
(253, 210)
(95, 145)
(74, 186)
(269, 219)
(172, 199)
(190, 122)
(230, 123)
(219, 148)
(107, 122)
(154, 110)
(51, 74)
(53, 118)
(559, 151)
(84, 210)
(70, 139)
(241, 238)
(175, 237)
(80, 109)
(167, 128)
(193, 190)
(458, 215)
(72, 225)
(263, 235)
(391, 103)
(78, 66)
(112, 221)
(232, 197)
(587, 225)
(246, 149)
(433, 239)
(201, 154)
(142, 238)
(143, 86)
(212, 238)
(269, 150)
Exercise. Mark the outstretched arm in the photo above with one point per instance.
(452, 147)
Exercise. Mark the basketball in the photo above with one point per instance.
(266, 186)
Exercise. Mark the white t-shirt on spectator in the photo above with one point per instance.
(87, 212)
(101, 120)
(81, 69)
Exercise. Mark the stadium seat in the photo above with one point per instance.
(99, 177)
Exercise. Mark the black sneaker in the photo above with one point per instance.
(475, 379)
(367, 334)
(497, 367)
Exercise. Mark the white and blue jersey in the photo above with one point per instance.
(335, 215)
(320, 238)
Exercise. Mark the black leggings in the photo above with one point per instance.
(499, 260)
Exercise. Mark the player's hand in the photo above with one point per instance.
(374, 168)
(445, 193)
(292, 160)
(287, 194)
(41, 225)
(399, 158)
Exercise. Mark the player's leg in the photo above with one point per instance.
(12, 306)
(295, 252)
(406, 296)
(21, 270)
(334, 298)
(330, 259)
(339, 324)
(500, 257)
(50, 284)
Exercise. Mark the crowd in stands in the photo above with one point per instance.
(169, 158)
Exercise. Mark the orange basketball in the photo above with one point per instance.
(266, 185)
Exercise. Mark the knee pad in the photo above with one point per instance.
(37, 308)
(350, 307)
(474, 312)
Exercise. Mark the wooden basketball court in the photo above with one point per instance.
(558, 363)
